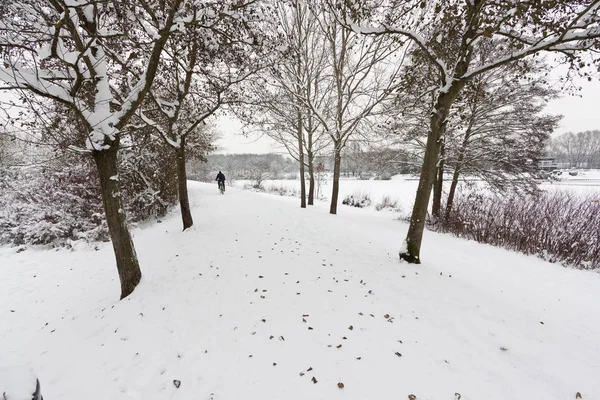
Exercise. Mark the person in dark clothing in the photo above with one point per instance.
(221, 180)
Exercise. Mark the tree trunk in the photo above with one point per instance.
(300, 131)
(301, 161)
(311, 179)
(127, 262)
(457, 170)
(337, 162)
(452, 190)
(438, 187)
(184, 201)
(412, 247)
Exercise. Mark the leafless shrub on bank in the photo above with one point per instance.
(557, 226)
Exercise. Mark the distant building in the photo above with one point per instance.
(547, 163)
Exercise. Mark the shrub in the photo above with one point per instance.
(43, 206)
(282, 190)
(253, 188)
(557, 226)
(388, 202)
(358, 199)
(61, 202)
(148, 175)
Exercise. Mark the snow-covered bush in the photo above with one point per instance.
(358, 199)
(61, 202)
(557, 226)
(251, 187)
(282, 190)
(388, 202)
(42, 206)
(148, 178)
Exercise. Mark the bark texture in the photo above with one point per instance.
(457, 170)
(438, 187)
(126, 258)
(184, 201)
(311, 179)
(301, 162)
(427, 177)
(337, 164)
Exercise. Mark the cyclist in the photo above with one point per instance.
(221, 180)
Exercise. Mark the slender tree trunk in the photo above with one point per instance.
(337, 163)
(438, 185)
(456, 174)
(301, 161)
(311, 179)
(300, 132)
(184, 201)
(127, 262)
(452, 191)
(411, 249)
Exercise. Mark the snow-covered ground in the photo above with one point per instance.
(402, 188)
(584, 183)
(260, 297)
(399, 188)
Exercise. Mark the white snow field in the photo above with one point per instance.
(402, 188)
(260, 297)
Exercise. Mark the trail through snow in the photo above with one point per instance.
(260, 297)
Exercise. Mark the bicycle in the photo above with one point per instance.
(222, 187)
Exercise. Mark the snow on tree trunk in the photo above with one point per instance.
(126, 258)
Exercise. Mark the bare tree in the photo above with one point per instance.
(448, 32)
(204, 66)
(297, 79)
(259, 172)
(503, 131)
(364, 72)
(578, 150)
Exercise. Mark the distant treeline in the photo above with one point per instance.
(379, 164)
(243, 166)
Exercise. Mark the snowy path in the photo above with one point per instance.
(260, 297)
